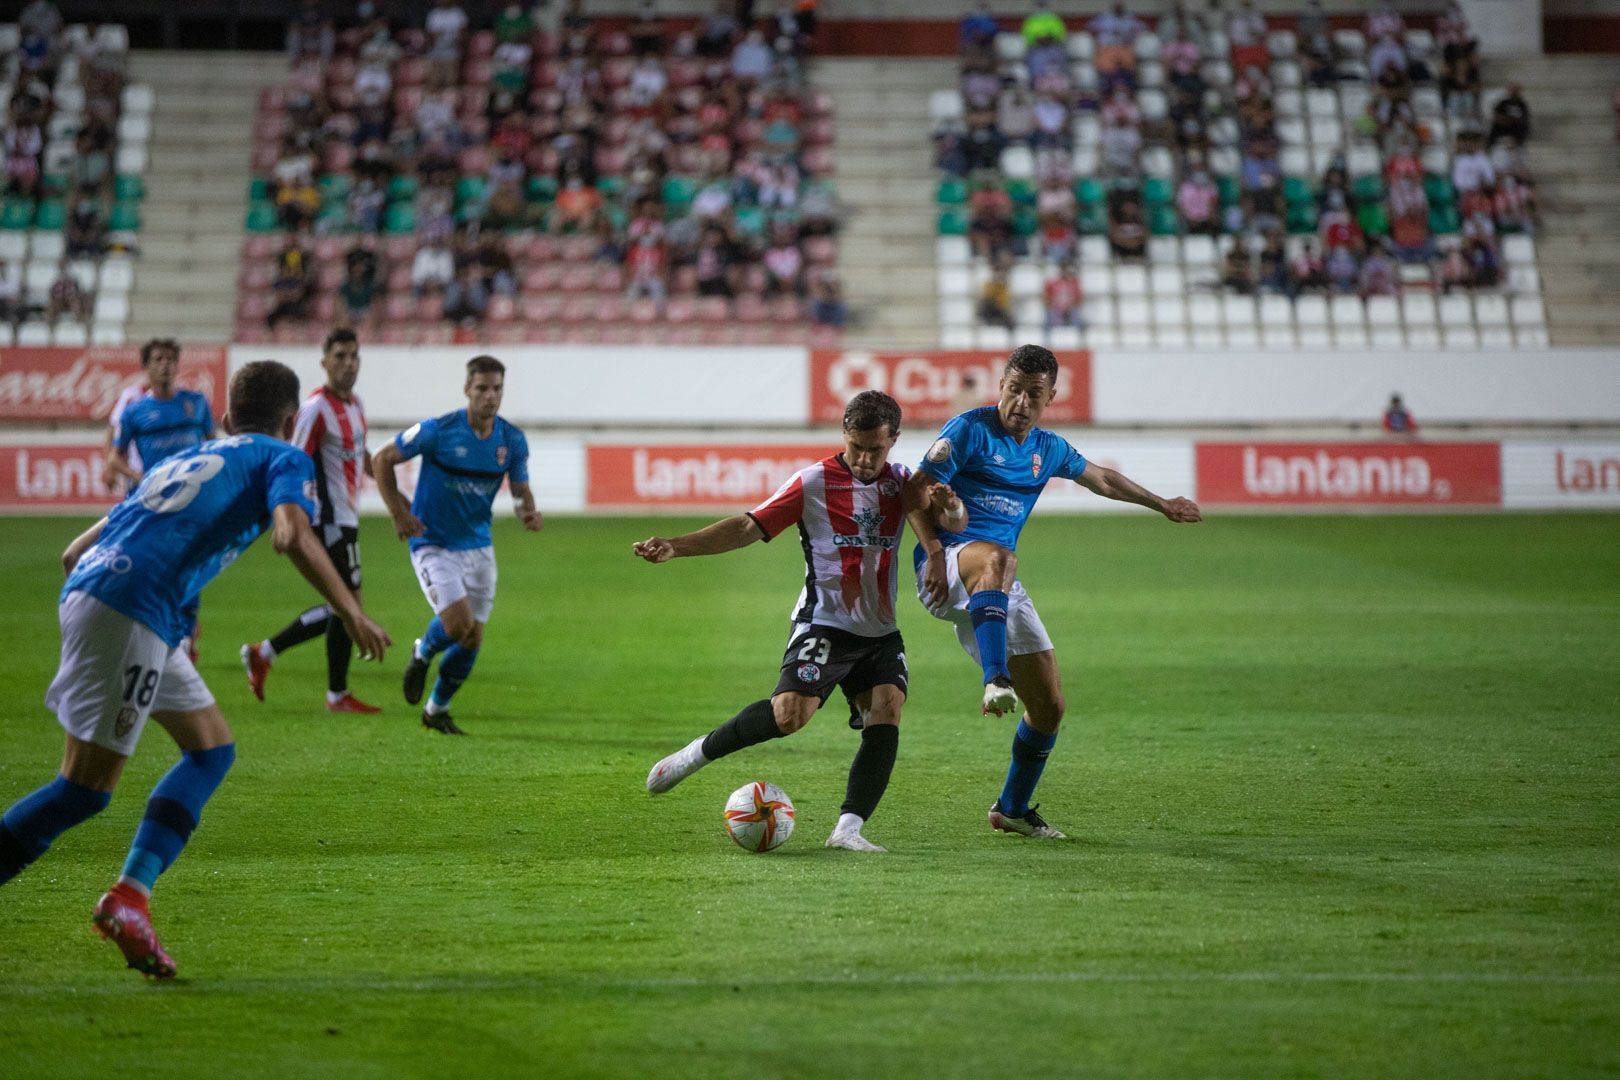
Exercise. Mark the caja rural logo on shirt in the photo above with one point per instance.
(868, 522)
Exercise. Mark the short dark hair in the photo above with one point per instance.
(338, 335)
(872, 409)
(156, 345)
(485, 365)
(1033, 360)
(263, 394)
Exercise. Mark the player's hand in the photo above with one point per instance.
(369, 638)
(1182, 510)
(935, 585)
(109, 478)
(531, 520)
(408, 526)
(941, 496)
(655, 549)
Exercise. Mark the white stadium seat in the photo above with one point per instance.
(998, 338)
(1528, 311)
(953, 250)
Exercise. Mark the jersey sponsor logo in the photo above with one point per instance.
(109, 557)
(929, 385)
(1035, 464)
(940, 452)
(1000, 504)
(1350, 473)
(500, 456)
(808, 673)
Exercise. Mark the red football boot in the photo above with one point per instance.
(122, 918)
(349, 703)
(257, 667)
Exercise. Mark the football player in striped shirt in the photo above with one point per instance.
(331, 429)
(851, 510)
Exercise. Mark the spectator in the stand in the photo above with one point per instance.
(784, 263)
(1387, 54)
(645, 263)
(827, 307)
(1237, 272)
(1015, 114)
(1315, 36)
(576, 207)
(40, 18)
(85, 232)
(1471, 167)
(291, 293)
(1484, 263)
(1115, 33)
(92, 162)
(1454, 271)
(1120, 110)
(1379, 276)
(366, 203)
(990, 222)
(23, 143)
(1384, 21)
(716, 259)
(433, 268)
(751, 59)
(1397, 420)
(466, 297)
(1198, 199)
(976, 33)
(1510, 117)
(362, 281)
(1275, 273)
(310, 34)
(1043, 25)
(446, 24)
(1064, 298)
(995, 300)
(1051, 124)
(509, 66)
(297, 204)
(1057, 237)
(67, 297)
(1459, 84)
(1120, 146)
(1343, 269)
(647, 82)
(1515, 205)
(11, 305)
(1453, 34)
(1306, 269)
(647, 32)
(1246, 30)
(1127, 235)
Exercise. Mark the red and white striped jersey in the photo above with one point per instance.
(851, 534)
(333, 432)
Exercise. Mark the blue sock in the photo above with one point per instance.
(1029, 751)
(174, 810)
(27, 829)
(989, 611)
(435, 639)
(453, 671)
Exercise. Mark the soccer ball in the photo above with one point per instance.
(759, 816)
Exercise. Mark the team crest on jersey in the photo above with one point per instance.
(1035, 465)
(888, 488)
(500, 456)
(124, 721)
(940, 452)
(808, 673)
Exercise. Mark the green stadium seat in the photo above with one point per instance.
(611, 187)
(469, 189)
(52, 215)
(333, 186)
(750, 221)
(953, 221)
(1444, 219)
(55, 183)
(1439, 190)
(17, 214)
(258, 188)
(1022, 192)
(1162, 221)
(125, 217)
(1156, 191)
(261, 217)
(1302, 218)
(542, 189)
(1231, 195)
(1090, 192)
(1367, 189)
(951, 192)
(401, 219)
(1373, 219)
(679, 191)
(402, 187)
(1297, 191)
(1093, 220)
(618, 216)
(1025, 221)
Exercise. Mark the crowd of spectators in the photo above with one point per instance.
(1129, 134)
(544, 174)
(58, 145)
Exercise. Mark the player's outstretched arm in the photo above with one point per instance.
(406, 524)
(523, 497)
(1111, 484)
(81, 543)
(293, 538)
(728, 534)
(930, 504)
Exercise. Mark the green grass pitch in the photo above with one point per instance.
(1344, 793)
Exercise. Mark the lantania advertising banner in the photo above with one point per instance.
(934, 385)
(696, 475)
(1350, 474)
(67, 384)
(53, 477)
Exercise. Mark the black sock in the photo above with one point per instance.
(338, 649)
(869, 772)
(755, 724)
(307, 627)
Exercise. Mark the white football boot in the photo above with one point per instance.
(677, 767)
(1031, 824)
(999, 697)
(850, 840)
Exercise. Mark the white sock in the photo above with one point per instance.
(416, 650)
(334, 698)
(138, 886)
(267, 651)
(434, 708)
(849, 823)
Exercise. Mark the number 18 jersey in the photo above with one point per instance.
(191, 516)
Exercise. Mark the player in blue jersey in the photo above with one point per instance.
(998, 462)
(465, 455)
(161, 422)
(128, 577)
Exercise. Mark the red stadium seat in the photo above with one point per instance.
(252, 307)
(616, 43)
(825, 337)
(435, 334)
(786, 309)
(502, 309)
(608, 279)
(577, 248)
(751, 309)
(399, 278)
(820, 161)
(610, 309)
(578, 309)
(545, 278)
(543, 74)
(540, 247)
(643, 310)
(329, 277)
(680, 309)
(430, 307)
(616, 72)
(481, 44)
(714, 309)
(577, 278)
(325, 307)
(474, 101)
(546, 44)
(474, 161)
(397, 334)
(400, 248)
(411, 72)
(477, 73)
(330, 249)
(254, 276)
(271, 99)
(683, 281)
(541, 309)
(407, 99)
(399, 307)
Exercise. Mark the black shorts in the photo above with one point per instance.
(343, 548)
(819, 658)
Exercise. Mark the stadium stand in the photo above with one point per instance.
(1232, 185)
(74, 144)
(542, 183)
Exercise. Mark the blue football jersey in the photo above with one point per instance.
(997, 477)
(190, 517)
(161, 429)
(461, 475)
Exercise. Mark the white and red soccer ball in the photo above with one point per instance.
(759, 816)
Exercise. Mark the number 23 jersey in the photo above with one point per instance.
(190, 517)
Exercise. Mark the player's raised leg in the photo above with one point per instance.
(80, 791)
(1040, 686)
(759, 722)
(988, 571)
(869, 772)
(257, 659)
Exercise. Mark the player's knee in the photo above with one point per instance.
(472, 637)
(791, 714)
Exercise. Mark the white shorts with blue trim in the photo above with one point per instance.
(1025, 632)
(447, 576)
